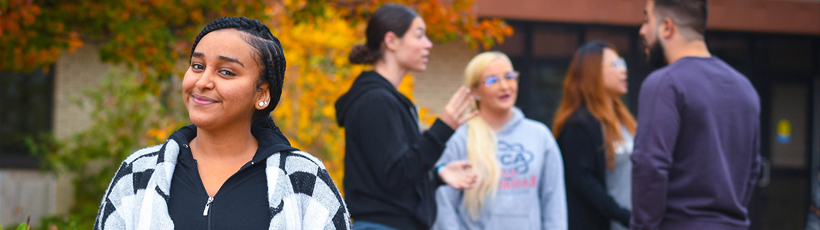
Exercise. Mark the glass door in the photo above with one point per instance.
(781, 198)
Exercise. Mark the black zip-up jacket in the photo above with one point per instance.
(390, 176)
(241, 202)
(589, 205)
(295, 187)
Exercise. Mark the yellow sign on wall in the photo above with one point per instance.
(784, 131)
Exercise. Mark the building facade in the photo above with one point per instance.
(775, 43)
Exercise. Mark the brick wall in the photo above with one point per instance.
(73, 73)
(445, 73)
(29, 193)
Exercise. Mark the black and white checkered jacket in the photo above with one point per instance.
(301, 194)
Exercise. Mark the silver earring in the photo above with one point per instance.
(262, 103)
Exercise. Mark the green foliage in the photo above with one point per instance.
(151, 36)
(63, 223)
(140, 107)
(23, 226)
(127, 117)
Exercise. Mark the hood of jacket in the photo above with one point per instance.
(367, 80)
(270, 140)
(515, 120)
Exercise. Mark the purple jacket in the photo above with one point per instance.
(697, 147)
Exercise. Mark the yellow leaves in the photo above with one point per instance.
(157, 135)
(295, 4)
(328, 111)
(319, 37)
(426, 116)
(162, 128)
(318, 73)
(154, 36)
(406, 87)
(316, 49)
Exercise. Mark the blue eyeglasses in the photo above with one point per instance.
(619, 63)
(492, 79)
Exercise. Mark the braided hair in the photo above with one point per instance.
(268, 53)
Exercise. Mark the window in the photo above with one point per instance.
(514, 45)
(25, 110)
(542, 53)
(554, 42)
(618, 38)
(733, 49)
(785, 54)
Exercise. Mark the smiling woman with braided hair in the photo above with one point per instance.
(233, 168)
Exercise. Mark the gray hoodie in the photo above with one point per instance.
(531, 194)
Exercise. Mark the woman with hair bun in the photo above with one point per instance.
(233, 168)
(390, 178)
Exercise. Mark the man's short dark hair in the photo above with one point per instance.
(689, 14)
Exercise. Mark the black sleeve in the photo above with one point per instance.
(386, 145)
(579, 151)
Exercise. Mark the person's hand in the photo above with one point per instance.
(458, 175)
(454, 113)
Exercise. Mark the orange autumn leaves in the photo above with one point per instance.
(23, 27)
(150, 36)
(319, 72)
(154, 37)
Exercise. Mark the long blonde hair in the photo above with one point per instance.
(481, 142)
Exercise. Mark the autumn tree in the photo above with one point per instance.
(153, 39)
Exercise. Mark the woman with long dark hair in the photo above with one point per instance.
(389, 178)
(233, 168)
(595, 133)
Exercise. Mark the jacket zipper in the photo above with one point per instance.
(208, 206)
(208, 210)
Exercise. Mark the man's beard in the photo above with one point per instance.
(655, 57)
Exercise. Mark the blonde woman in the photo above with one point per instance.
(520, 183)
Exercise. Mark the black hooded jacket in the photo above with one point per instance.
(390, 176)
(242, 199)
